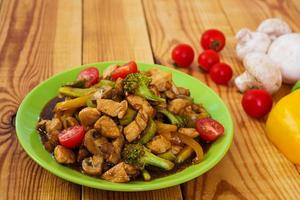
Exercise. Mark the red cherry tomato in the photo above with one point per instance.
(183, 55)
(213, 39)
(124, 70)
(71, 137)
(221, 73)
(209, 129)
(257, 102)
(91, 75)
(207, 59)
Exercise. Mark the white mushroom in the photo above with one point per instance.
(261, 72)
(285, 52)
(248, 42)
(274, 27)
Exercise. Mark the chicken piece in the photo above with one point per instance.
(64, 155)
(52, 140)
(167, 135)
(112, 108)
(175, 149)
(88, 116)
(159, 144)
(104, 92)
(138, 103)
(170, 94)
(123, 109)
(131, 170)
(93, 165)
(107, 127)
(163, 128)
(82, 154)
(183, 91)
(53, 124)
(161, 79)
(177, 105)
(191, 132)
(115, 155)
(135, 128)
(50, 129)
(116, 174)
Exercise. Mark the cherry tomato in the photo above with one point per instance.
(257, 102)
(220, 73)
(183, 55)
(124, 70)
(209, 129)
(207, 59)
(213, 39)
(91, 75)
(71, 137)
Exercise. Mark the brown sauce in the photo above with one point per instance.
(47, 113)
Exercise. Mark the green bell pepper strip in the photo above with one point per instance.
(149, 132)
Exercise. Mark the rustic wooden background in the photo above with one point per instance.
(39, 38)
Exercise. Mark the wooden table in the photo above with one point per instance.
(42, 37)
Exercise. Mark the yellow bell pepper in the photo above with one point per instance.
(283, 126)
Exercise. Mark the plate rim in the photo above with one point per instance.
(126, 187)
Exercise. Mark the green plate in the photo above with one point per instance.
(28, 115)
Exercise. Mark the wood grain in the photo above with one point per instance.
(116, 30)
(32, 48)
(253, 168)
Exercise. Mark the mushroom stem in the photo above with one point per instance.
(246, 81)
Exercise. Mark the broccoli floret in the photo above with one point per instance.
(137, 84)
(180, 121)
(139, 155)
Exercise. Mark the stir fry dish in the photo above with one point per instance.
(126, 124)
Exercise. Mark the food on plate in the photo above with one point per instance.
(89, 76)
(207, 59)
(283, 126)
(248, 42)
(213, 39)
(209, 129)
(285, 52)
(257, 102)
(274, 27)
(183, 55)
(221, 73)
(127, 125)
(123, 71)
(261, 72)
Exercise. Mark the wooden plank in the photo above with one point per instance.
(33, 46)
(116, 30)
(287, 10)
(253, 168)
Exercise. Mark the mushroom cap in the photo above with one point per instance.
(274, 27)
(285, 52)
(248, 41)
(93, 165)
(264, 70)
